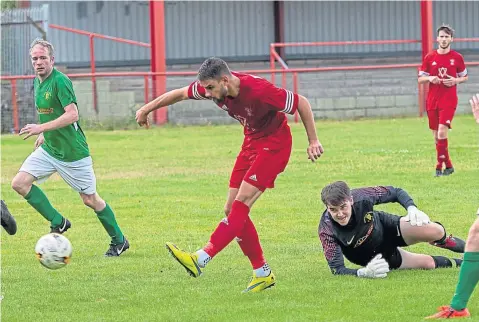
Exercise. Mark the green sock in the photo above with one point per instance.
(468, 278)
(37, 199)
(107, 219)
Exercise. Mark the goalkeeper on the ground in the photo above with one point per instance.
(350, 227)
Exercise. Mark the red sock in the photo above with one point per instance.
(443, 152)
(249, 242)
(448, 158)
(228, 228)
(440, 153)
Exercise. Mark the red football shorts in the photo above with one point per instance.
(260, 161)
(438, 114)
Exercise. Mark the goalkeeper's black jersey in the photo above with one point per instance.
(363, 232)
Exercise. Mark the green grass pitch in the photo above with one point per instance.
(170, 184)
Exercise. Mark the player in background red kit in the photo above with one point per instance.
(260, 107)
(443, 69)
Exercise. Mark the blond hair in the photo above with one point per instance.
(44, 44)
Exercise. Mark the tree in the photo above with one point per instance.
(8, 4)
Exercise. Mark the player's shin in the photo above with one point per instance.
(228, 228)
(107, 219)
(468, 279)
(441, 149)
(38, 200)
(444, 262)
(249, 242)
(447, 160)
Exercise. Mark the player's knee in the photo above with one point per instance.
(442, 132)
(437, 231)
(474, 233)
(20, 186)
(89, 201)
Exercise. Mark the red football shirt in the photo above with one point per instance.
(259, 106)
(440, 65)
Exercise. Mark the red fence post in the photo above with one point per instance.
(147, 95)
(93, 70)
(271, 61)
(295, 90)
(427, 40)
(158, 57)
(16, 122)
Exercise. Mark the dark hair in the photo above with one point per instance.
(447, 29)
(335, 193)
(213, 68)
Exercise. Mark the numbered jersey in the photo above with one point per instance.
(51, 97)
(260, 106)
(442, 66)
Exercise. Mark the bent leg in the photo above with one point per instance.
(231, 226)
(415, 234)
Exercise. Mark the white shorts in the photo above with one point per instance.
(78, 174)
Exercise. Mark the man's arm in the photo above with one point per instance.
(385, 194)
(428, 79)
(332, 250)
(315, 148)
(166, 99)
(423, 76)
(474, 101)
(69, 117)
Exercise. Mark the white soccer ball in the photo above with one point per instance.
(53, 251)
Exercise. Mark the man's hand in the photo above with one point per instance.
(39, 141)
(31, 129)
(142, 118)
(416, 217)
(434, 79)
(376, 268)
(474, 101)
(450, 81)
(315, 150)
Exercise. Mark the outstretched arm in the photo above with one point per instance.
(385, 194)
(166, 99)
(315, 148)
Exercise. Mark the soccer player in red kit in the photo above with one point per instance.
(443, 69)
(260, 107)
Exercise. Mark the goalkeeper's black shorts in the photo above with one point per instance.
(392, 239)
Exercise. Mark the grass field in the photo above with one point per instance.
(170, 184)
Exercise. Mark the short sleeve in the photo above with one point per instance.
(279, 99)
(461, 66)
(196, 91)
(65, 92)
(425, 71)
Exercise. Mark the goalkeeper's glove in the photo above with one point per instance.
(416, 217)
(376, 268)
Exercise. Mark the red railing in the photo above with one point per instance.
(422, 88)
(274, 56)
(92, 36)
(147, 75)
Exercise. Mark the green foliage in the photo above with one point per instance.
(8, 4)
